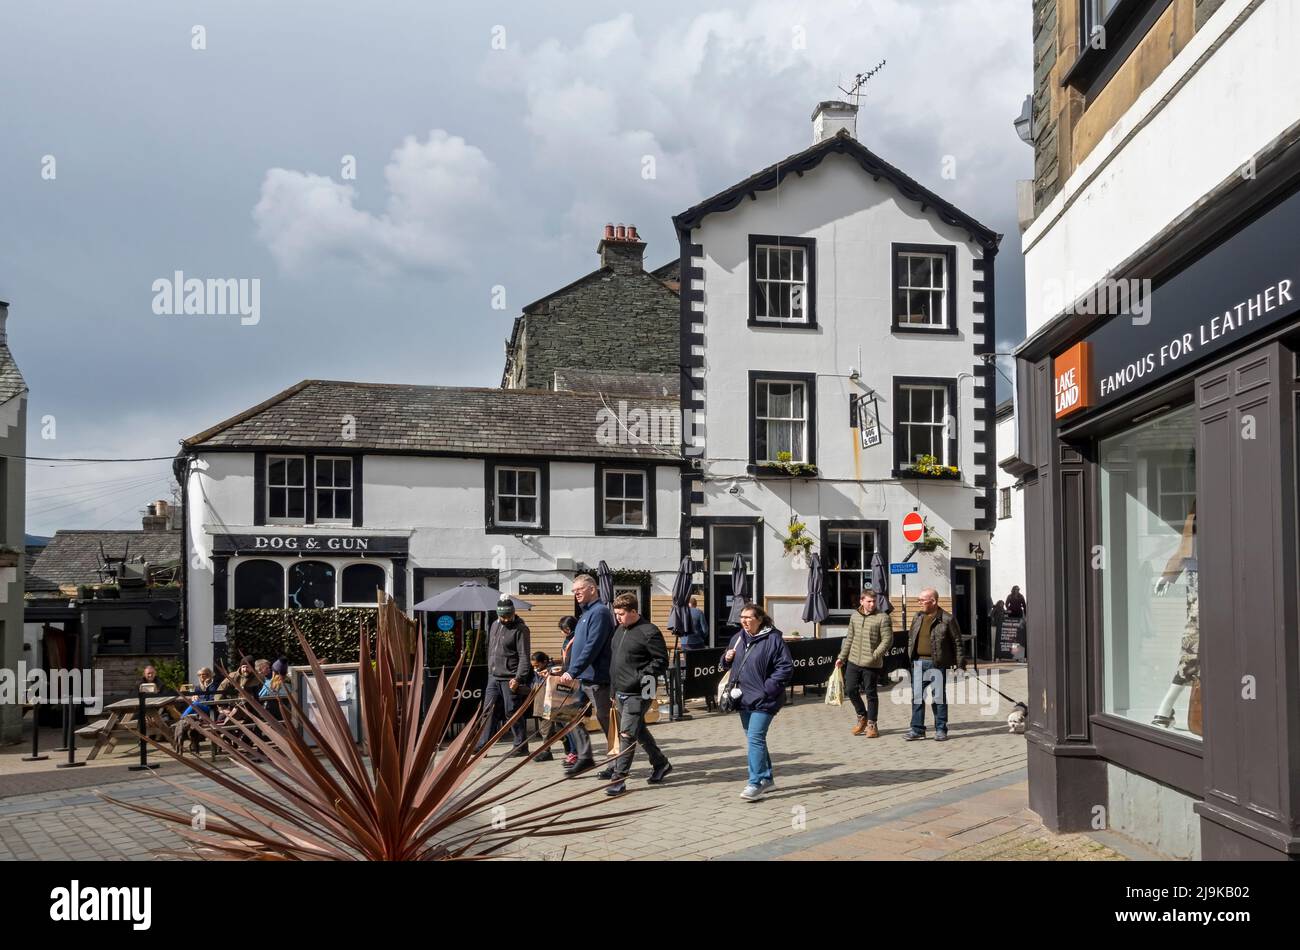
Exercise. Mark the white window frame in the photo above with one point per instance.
(784, 286)
(761, 420)
(606, 498)
(833, 560)
(906, 424)
(938, 314)
(1004, 503)
(498, 494)
(316, 489)
(270, 461)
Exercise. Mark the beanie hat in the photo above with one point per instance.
(280, 667)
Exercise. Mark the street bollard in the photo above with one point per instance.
(140, 726)
(36, 737)
(70, 731)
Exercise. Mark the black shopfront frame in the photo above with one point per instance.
(1245, 773)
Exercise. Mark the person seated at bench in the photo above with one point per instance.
(151, 685)
(200, 702)
(276, 688)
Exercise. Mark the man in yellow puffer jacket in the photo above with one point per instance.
(869, 638)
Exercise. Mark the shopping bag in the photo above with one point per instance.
(835, 688)
(612, 736)
(561, 704)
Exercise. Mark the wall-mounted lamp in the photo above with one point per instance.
(975, 549)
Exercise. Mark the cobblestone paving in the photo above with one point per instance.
(826, 779)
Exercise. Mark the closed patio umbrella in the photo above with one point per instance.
(737, 589)
(814, 608)
(679, 620)
(880, 584)
(605, 581)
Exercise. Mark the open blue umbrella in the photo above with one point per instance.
(738, 599)
(814, 608)
(605, 581)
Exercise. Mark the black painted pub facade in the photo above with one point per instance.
(1159, 454)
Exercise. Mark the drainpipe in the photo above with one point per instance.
(181, 469)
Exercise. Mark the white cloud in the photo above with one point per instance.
(730, 92)
(440, 192)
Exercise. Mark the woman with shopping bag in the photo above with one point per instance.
(869, 638)
(759, 668)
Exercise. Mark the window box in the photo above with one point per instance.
(784, 470)
(927, 466)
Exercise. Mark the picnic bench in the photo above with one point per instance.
(159, 713)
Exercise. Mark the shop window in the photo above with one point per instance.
(360, 582)
(781, 285)
(847, 557)
(259, 584)
(923, 285)
(725, 542)
(286, 487)
(333, 489)
(311, 585)
(1149, 575)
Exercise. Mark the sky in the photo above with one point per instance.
(402, 177)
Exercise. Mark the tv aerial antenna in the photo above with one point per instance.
(859, 81)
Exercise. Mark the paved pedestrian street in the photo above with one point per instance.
(837, 796)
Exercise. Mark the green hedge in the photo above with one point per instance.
(332, 633)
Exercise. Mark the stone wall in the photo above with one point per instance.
(622, 318)
(1154, 814)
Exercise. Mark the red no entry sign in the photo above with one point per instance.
(913, 528)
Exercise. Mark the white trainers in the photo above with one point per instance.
(752, 793)
(767, 785)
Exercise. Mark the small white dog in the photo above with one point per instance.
(1016, 722)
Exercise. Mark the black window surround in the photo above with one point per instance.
(261, 461)
(809, 246)
(543, 469)
(880, 527)
(1124, 28)
(649, 472)
(900, 463)
(265, 579)
(809, 381)
(949, 254)
(709, 522)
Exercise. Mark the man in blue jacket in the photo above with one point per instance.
(589, 665)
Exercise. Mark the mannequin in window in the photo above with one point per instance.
(1182, 562)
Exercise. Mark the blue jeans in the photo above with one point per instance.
(926, 677)
(755, 724)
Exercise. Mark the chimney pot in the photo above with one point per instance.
(609, 232)
(620, 233)
(631, 233)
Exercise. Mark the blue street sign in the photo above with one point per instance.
(902, 567)
(446, 622)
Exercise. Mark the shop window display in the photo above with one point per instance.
(1148, 573)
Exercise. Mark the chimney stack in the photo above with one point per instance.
(4, 318)
(155, 518)
(621, 248)
(832, 117)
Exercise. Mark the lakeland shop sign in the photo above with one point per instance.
(1247, 283)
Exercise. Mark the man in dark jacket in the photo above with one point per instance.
(589, 665)
(510, 672)
(933, 648)
(638, 656)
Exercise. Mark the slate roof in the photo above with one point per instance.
(72, 557)
(434, 419)
(809, 158)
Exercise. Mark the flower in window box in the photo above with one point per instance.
(785, 463)
(927, 466)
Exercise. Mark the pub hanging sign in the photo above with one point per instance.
(867, 416)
